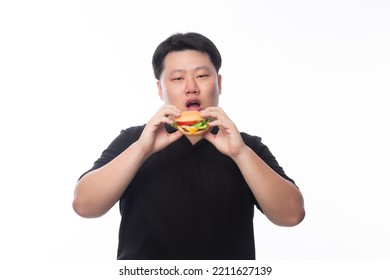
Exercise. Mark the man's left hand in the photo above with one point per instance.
(228, 140)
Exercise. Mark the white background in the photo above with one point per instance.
(309, 77)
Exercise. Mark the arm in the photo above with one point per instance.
(280, 200)
(100, 189)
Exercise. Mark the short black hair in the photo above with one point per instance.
(181, 42)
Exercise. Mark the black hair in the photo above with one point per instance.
(181, 42)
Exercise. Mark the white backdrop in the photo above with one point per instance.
(309, 77)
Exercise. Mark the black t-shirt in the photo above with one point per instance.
(187, 202)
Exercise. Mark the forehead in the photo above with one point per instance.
(187, 59)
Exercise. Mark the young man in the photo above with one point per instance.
(188, 197)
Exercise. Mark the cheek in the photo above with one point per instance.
(217, 92)
(216, 98)
(165, 97)
(170, 93)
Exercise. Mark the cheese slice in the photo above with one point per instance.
(190, 129)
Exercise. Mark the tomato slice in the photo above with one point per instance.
(187, 123)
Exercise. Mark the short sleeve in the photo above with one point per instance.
(117, 146)
(256, 144)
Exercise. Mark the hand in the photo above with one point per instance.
(154, 136)
(228, 140)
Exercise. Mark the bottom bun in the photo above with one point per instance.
(197, 133)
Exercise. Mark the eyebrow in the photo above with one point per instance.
(174, 71)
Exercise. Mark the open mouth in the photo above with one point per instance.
(193, 105)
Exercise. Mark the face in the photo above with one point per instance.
(189, 81)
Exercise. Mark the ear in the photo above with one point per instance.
(220, 83)
(160, 91)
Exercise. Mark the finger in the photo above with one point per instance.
(169, 110)
(213, 110)
(161, 120)
(172, 137)
(209, 137)
(163, 115)
(219, 120)
(214, 114)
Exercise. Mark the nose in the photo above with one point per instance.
(191, 87)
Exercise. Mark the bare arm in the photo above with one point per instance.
(100, 189)
(280, 200)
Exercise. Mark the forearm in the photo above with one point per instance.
(280, 200)
(99, 190)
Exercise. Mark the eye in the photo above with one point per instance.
(201, 76)
(177, 78)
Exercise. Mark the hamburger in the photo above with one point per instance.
(191, 123)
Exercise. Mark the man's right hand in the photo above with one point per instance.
(154, 136)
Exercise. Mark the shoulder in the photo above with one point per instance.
(126, 137)
(256, 144)
(252, 141)
(133, 132)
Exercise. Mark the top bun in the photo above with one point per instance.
(187, 116)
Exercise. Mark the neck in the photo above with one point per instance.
(194, 139)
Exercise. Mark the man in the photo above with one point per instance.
(188, 197)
